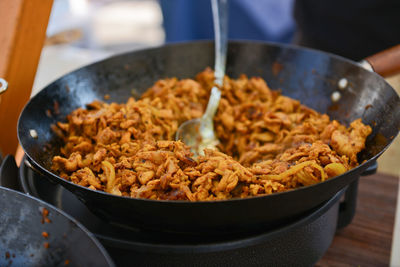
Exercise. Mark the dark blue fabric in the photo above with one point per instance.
(268, 20)
(354, 29)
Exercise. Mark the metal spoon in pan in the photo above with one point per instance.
(199, 133)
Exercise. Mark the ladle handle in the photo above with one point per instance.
(387, 62)
(220, 17)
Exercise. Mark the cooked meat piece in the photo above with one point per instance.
(86, 177)
(106, 136)
(71, 164)
(351, 141)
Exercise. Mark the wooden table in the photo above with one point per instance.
(367, 241)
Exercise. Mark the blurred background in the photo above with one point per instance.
(84, 31)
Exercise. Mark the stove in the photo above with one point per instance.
(299, 242)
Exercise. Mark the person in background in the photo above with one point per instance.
(353, 29)
(265, 20)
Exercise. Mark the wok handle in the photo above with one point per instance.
(387, 62)
(347, 207)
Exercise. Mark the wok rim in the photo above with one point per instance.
(357, 170)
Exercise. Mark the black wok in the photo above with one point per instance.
(22, 242)
(304, 74)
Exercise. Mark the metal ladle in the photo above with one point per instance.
(199, 133)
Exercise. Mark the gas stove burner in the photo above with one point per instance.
(301, 242)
